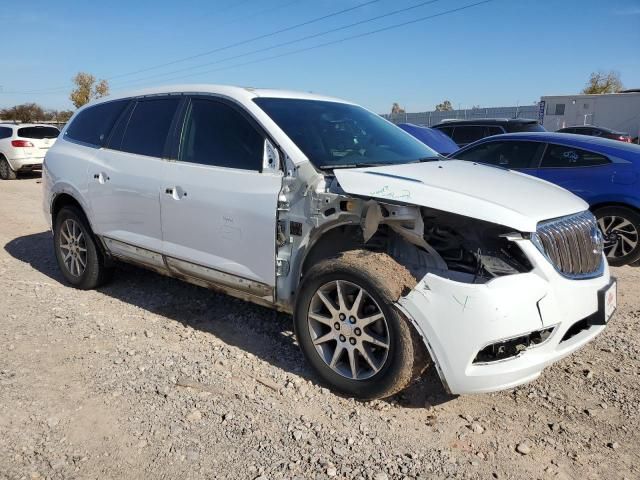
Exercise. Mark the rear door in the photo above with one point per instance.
(219, 208)
(580, 171)
(125, 185)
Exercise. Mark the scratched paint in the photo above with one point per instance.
(387, 192)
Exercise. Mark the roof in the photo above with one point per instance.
(21, 125)
(626, 151)
(486, 121)
(591, 127)
(246, 93)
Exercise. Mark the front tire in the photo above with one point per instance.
(79, 258)
(620, 227)
(6, 172)
(349, 330)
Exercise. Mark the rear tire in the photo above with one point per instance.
(620, 227)
(79, 257)
(352, 353)
(6, 172)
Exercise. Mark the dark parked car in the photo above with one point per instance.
(601, 132)
(605, 173)
(464, 132)
(431, 137)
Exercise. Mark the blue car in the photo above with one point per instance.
(605, 173)
(431, 137)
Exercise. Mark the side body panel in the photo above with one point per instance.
(124, 191)
(221, 218)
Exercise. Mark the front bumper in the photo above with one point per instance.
(457, 320)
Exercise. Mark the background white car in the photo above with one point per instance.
(23, 147)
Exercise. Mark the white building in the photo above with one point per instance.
(618, 111)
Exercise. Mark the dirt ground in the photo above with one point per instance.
(149, 377)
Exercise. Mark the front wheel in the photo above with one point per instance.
(349, 330)
(620, 227)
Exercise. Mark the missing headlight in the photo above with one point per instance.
(473, 246)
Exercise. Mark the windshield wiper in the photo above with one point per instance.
(352, 165)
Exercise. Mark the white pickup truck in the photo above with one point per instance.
(388, 256)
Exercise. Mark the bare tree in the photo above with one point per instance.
(87, 89)
(396, 109)
(27, 112)
(601, 82)
(444, 106)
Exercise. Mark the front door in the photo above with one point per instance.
(218, 208)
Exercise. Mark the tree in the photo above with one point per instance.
(444, 106)
(87, 89)
(396, 109)
(601, 82)
(27, 112)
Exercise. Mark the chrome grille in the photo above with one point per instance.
(572, 244)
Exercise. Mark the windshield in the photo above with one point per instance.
(338, 135)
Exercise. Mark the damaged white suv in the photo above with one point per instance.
(388, 256)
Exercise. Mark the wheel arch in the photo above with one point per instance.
(603, 204)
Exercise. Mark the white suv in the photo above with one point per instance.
(23, 147)
(388, 256)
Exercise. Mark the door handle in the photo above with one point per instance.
(101, 177)
(176, 192)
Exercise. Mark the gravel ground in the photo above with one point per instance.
(149, 377)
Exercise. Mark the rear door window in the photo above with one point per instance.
(560, 156)
(467, 134)
(38, 133)
(493, 131)
(92, 125)
(513, 155)
(148, 126)
(217, 134)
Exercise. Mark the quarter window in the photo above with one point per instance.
(5, 132)
(559, 156)
(505, 154)
(217, 134)
(148, 127)
(92, 125)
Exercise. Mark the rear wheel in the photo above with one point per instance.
(350, 331)
(620, 227)
(77, 252)
(6, 172)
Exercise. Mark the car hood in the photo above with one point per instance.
(487, 193)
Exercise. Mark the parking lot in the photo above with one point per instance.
(149, 377)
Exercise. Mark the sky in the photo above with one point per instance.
(498, 53)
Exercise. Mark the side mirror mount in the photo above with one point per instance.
(270, 158)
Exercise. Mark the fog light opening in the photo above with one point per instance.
(512, 347)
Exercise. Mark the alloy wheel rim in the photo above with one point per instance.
(348, 329)
(620, 236)
(73, 247)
